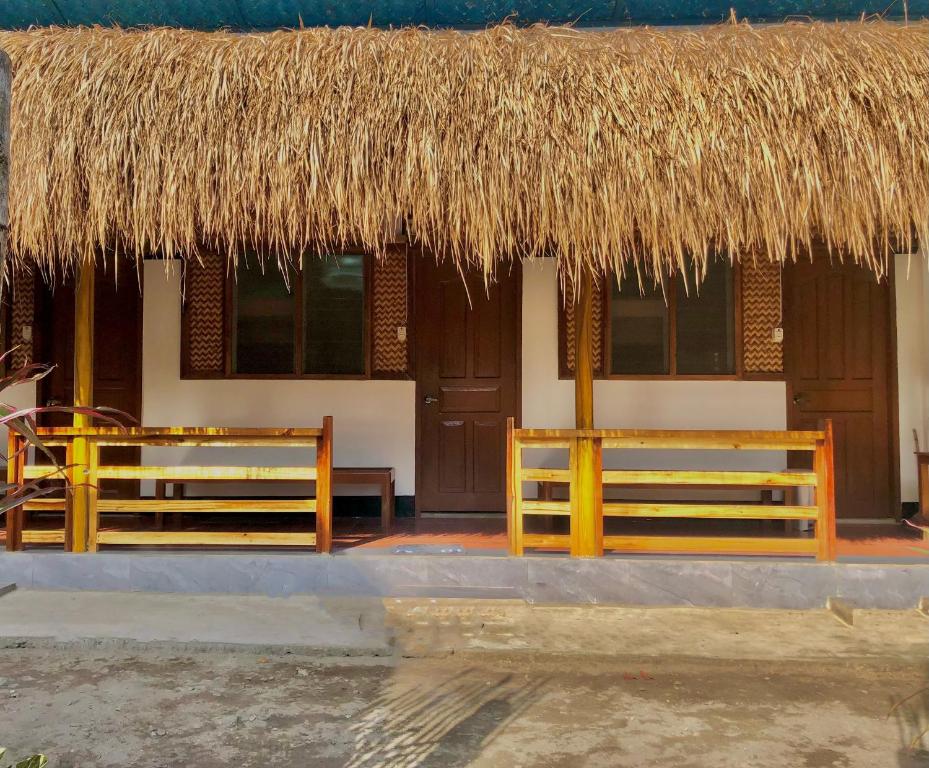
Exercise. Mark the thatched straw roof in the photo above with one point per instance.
(589, 146)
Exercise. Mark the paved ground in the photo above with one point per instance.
(98, 679)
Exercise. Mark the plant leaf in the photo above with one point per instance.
(10, 501)
(36, 761)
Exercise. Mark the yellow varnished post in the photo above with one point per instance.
(587, 512)
(514, 490)
(83, 396)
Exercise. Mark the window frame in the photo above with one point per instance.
(229, 321)
(672, 286)
(605, 374)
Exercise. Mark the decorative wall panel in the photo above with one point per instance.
(761, 314)
(391, 316)
(22, 317)
(202, 350)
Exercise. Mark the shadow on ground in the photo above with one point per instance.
(911, 714)
(448, 724)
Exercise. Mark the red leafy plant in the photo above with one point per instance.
(23, 421)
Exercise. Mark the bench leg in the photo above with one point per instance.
(546, 492)
(387, 505)
(177, 518)
(160, 513)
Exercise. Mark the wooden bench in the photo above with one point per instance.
(380, 476)
(383, 477)
(546, 491)
(547, 488)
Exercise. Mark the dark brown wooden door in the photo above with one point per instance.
(117, 354)
(837, 345)
(467, 384)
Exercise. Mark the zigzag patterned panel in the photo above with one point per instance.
(204, 302)
(566, 315)
(390, 300)
(22, 315)
(761, 313)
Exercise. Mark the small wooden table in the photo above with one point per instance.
(383, 477)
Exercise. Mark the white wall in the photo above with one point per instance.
(373, 421)
(912, 295)
(549, 402)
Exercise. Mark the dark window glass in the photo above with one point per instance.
(639, 333)
(334, 315)
(705, 319)
(264, 322)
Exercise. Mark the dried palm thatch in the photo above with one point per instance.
(620, 147)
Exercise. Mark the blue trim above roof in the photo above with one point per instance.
(272, 14)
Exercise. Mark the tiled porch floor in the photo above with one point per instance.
(877, 541)
(487, 534)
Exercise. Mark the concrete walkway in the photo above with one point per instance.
(154, 680)
(427, 627)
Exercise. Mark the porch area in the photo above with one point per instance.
(726, 554)
(72, 492)
(543, 516)
(483, 534)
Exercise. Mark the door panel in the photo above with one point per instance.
(489, 436)
(117, 356)
(837, 364)
(467, 360)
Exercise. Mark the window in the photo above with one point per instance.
(674, 328)
(639, 331)
(334, 315)
(312, 324)
(264, 322)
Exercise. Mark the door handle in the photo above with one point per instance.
(799, 398)
(429, 399)
(53, 402)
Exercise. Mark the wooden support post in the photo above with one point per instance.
(583, 353)
(83, 396)
(514, 491)
(15, 465)
(324, 488)
(825, 495)
(587, 517)
(70, 483)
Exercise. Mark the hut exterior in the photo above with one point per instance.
(410, 232)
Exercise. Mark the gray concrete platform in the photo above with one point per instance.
(759, 583)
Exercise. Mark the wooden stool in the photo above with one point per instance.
(380, 476)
